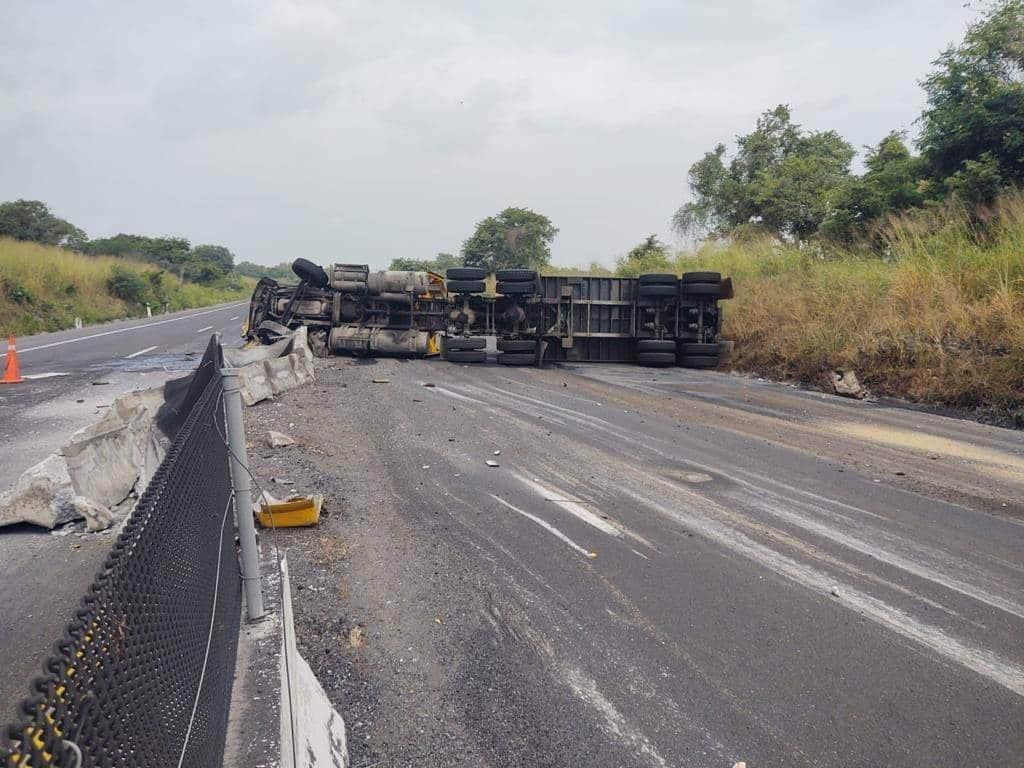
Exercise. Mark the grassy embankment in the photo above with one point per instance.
(45, 289)
(935, 314)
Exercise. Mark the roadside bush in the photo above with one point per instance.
(128, 286)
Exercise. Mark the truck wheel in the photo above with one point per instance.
(517, 358)
(516, 275)
(517, 288)
(701, 289)
(466, 356)
(517, 345)
(465, 273)
(658, 278)
(702, 277)
(699, 361)
(465, 286)
(656, 345)
(311, 273)
(657, 291)
(656, 359)
(460, 343)
(690, 348)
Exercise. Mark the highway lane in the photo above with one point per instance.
(668, 568)
(42, 576)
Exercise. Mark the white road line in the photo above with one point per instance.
(569, 505)
(233, 318)
(545, 525)
(140, 352)
(206, 328)
(123, 330)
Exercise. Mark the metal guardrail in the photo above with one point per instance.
(143, 674)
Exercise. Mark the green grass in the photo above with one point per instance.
(44, 289)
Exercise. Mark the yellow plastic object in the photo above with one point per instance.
(433, 345)
(293, 513)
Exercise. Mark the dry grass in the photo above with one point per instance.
(45, 289)
(939, 319)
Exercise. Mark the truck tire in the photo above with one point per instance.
(657, 291)
(465, 286)
(310, 273)
(517, 358)
(517, 345)
(516, 288)
(658, 278)
(699, 361)
(702, 277)
(460, 343)
(701, 289)
(516, 275)
(656, 359)
(656, 345)
(690, 348)
(466, 356)
(465, 273)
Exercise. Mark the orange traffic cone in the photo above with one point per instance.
(12, 373)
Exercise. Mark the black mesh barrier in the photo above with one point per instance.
(143, 674)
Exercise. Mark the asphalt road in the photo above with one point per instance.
(72, 377)
(667, 568)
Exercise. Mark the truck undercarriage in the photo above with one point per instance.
(656, 319)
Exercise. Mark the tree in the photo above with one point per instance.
(516, 237)
(780, 176)
(438, 264)
(972, 130)
(893, 182)
(649, 256)
(217, 255)
(32, 220)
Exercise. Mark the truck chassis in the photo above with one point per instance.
(654, 319)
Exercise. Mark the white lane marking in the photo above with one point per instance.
(545, 525)
(639, 554)
(205, 328)
(140, 352)
(233, 318)
(570, 506)
(980, 660)
(49, 375)
(123, 330)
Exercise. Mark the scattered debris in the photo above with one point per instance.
(425, 466)
(295, 511)
(429, 384)
(497, 453)
(382, 381)
(846, 384)
(354, 638)
(278, 439)
(834, 592)
(100, 383)
(491, 463)
(281, 481)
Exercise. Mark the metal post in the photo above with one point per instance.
(243, 495)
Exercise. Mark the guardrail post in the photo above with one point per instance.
(240, 481)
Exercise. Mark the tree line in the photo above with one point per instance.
(32, 220)
(788, 182)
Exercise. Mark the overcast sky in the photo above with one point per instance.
(360, 131)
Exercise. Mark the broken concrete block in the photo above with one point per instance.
(278, 439)
(845, 383)
(97, 517)
(41, 496)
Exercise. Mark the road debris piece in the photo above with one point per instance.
(281, 481)
(846, 384)
(382, 381)
(492, 463)
(294, 512)
(429, 384)
(497, 453)
(278, 439)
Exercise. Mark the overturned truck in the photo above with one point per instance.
(655, 319)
